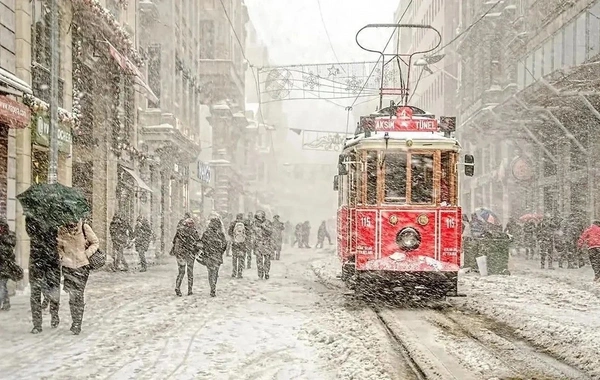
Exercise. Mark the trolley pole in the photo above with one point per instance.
(53, 130)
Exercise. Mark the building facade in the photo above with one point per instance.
(530, 117)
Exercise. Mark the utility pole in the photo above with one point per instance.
(53, 130)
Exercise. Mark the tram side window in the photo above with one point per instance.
(422, 178)
(446, 178)
(395, 177)
(371, 177)
(353, 181)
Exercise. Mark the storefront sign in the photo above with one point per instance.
(42, 133)
(13, 113)
(203, 172)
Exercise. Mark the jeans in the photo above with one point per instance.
(4, 300)
(119, 256)
(213, 276)
(238, 258)
(188, 264)
(75, 282)
(263, 263)
(143, 262)
(46, 280)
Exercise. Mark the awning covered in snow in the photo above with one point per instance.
(14, 82)
(138, 180)
(127, 65)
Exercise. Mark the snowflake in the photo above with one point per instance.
(353, 84)
(311, 81)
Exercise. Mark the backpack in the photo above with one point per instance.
(239, 233)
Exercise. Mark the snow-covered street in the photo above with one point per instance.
(289, 327)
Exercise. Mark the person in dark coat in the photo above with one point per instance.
(277, 236)
(213, 245)
(305, 234)
(322, 233)
(185, 248)
(142, 235)
(298, 236)
(120, 233)
(251, 240)
(545, 236)
(529, 238)
(263, 232)
(513, 230)
(44, 270)
(239, 234)
(9, 270)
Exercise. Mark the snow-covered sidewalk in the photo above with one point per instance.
(289, 327)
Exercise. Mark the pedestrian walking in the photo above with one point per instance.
(590, 238)
(322, 233)
(251, 240)
(263, 232)
(238, 233)
(44, 271)
(9, 270)
(185, 248)
(305, 234)
(277, 236)
(142, 236)
(298, 236)
(120, 233)
(529, 239)
(76, 243)
(545, 235)
(213, 245)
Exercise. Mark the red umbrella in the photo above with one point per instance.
(531, 218)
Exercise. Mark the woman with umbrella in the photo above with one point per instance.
(77, 242)
(47, 207)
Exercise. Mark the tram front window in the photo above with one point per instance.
(422, 178)
(395, 177)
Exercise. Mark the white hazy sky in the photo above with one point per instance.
(294, 34)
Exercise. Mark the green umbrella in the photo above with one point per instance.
(55, 204)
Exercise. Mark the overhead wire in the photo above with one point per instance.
(328, 37)
(256, 80)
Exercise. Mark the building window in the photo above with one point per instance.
(594, 30)
(537, 65)
(569, 42)
(548, 59)
(581, 39)
(207, 39)
(558, 50)
(154, 80)
(42, 55)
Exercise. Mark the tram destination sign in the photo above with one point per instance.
(418, 124)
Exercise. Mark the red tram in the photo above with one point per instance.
(398, 214)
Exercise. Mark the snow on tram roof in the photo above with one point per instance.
(418, 138)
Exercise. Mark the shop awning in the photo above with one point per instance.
(127, 65)
(140, 183)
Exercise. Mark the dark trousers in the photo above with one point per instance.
(46, 280)
(546, 251)
(75, 281)
(119, 257)
(142, 254)
(278, 250)
(263, 264)
(594, 254)
(4, 299)
(249, 256)
(213, 276)
(188, 264)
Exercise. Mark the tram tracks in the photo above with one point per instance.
(447, 344)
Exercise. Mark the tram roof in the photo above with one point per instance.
(420, 140)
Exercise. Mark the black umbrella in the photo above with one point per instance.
(55, 204)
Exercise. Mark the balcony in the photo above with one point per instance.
(226, 73)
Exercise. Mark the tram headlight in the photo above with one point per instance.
(408, 238)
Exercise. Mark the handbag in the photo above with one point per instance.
(98, 259)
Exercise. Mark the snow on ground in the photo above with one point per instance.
(289, 327)
(558, 310)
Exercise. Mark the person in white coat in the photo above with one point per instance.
(76, 243)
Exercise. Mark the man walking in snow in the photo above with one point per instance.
(278, 228)
(238, 233)
(251, 240)
(263, 251)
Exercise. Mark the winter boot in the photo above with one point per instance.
(266, 276)
(54, 321)
(77, 317)
(36, 330)
(5, 305)
(178, 292)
